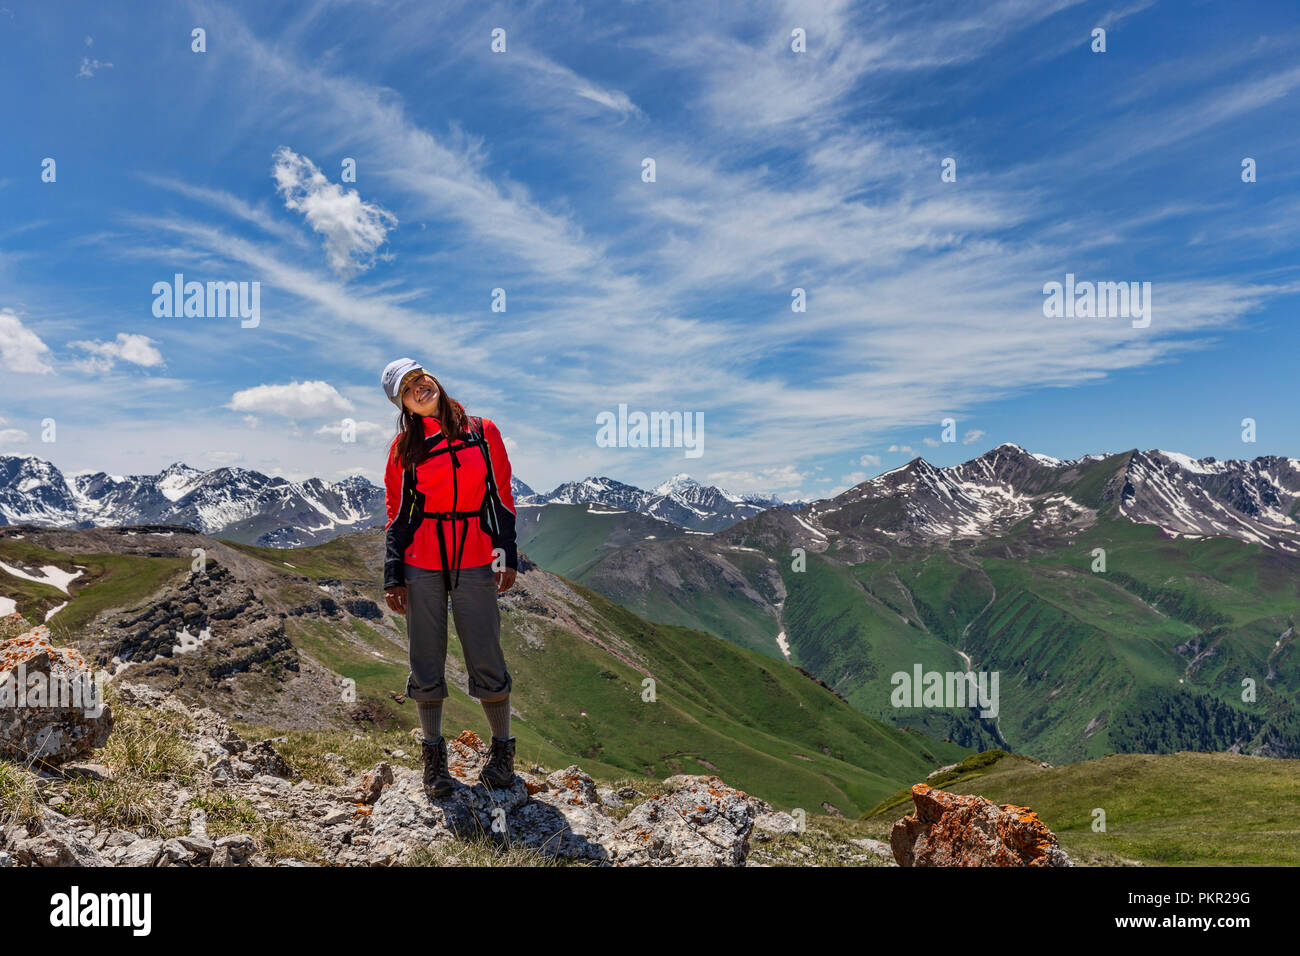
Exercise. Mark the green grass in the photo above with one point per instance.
(20, 798)
(108, 581)
(568, 539)
(1183, 809)
(338, 558)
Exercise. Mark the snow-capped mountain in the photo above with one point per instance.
(1257, 501)
(520, 490)
(681, 500)
(230, 502)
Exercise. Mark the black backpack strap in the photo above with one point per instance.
(498, 519)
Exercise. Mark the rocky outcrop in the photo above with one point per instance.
(383, 817)
(699, 821)
(950, 829)
(51, 710)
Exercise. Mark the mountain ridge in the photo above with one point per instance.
(1256, 500)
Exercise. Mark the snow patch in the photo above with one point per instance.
(51, 575)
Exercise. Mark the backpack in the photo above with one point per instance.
(490, 512)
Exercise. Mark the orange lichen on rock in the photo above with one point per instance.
(950, 829)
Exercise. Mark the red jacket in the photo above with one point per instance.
(434, 482)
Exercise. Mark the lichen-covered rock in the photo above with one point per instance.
(384, 816)
(373, 783)
(776, 822)
(700, 822)
(65, 720)
(950, 829)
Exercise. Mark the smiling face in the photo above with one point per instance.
(420, 394)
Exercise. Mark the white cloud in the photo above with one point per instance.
(128, 347)
(869, 461)
(21, 349)
(777, 479)
(89, 66)
(931, 442)
(234, 206)
(974, 435)
(905, 449)
(294, 400)
(366, 432)
(353, 230)
(11, 436)
(566, 79)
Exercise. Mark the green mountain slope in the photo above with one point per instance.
(1175, 630)
(568, 539)
(580, 665)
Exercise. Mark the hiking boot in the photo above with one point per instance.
(499, 771)
(438, 780)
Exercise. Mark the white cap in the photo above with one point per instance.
(393, 375)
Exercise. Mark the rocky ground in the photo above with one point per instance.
(376, 818)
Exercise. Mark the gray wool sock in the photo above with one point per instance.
(498, 715)
(430, 719)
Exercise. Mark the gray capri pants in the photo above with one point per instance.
(478, 623)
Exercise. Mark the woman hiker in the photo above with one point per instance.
(451, 531)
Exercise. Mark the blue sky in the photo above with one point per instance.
(522, 170)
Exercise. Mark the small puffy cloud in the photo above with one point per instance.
(905, 449)
(854, 478)
(11, 436)
(127, 347)
(974, 435)
(931, 442)
(353, 230)
(224, 457)
(21, 349)
(295, 400)
(869, 461)
(90, 66)
(365, 432)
